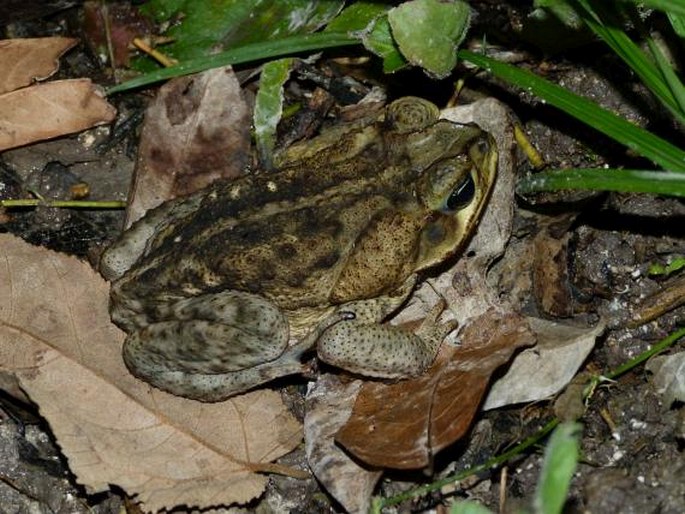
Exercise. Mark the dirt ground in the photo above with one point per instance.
(633, 445)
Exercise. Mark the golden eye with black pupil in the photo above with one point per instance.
(462, 195)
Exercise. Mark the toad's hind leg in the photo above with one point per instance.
(212, 346)
(363, 346)
(147, 362)
(210, 387)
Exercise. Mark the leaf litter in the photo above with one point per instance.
(404, 425)
(34, 112)
(220, 465)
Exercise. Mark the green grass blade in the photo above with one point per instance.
(469, 507)
(677, 23)
(670, 78)
(631, 54)
(671, 6)
(637, 139)
(626, 181)
(558, 466)
(243, 54)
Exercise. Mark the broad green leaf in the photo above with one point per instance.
(368, 20)
(358, 16)
(206, 26)
(269, 106)
(428, 32)
(380, 41)
(558, 466)
(469, 507)
(162, 10)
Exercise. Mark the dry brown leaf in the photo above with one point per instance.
(57, 342)
(551, 283)
(403, 425)
(49, 110)
(24, 61)
(669, 377)
(329, 405)
(670, 296)
(110, 27)
(543, 371)
(196, 130)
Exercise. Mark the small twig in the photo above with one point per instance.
(534, 156)
(606, 416)
(73, 204)
(154, 53)
(279, 469)
(653, 306)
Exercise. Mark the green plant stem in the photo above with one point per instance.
(639, 359)
(490, 463)
(247, 53)
(73, 204)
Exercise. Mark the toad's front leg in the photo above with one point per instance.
(362, 345)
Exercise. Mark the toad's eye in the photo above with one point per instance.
(462, 195)
(449, 185)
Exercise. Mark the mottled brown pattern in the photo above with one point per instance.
(347, 223)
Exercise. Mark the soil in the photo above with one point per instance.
(633, 443)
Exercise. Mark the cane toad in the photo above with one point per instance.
(211, 287)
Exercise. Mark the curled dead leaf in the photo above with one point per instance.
(540, 372)
(403, 425)
(329, 404)
(196, 131)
